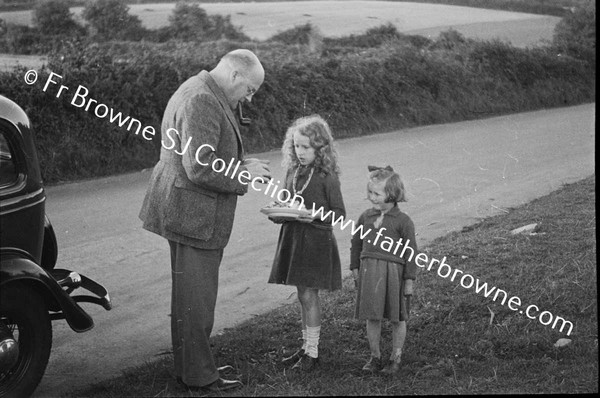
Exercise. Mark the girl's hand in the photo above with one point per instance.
(408, 287)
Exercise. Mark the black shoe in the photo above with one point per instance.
(216, 386)
(292, 357)
(222, 385)
(225, 369)
(306, 363)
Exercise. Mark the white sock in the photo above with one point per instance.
(304, 338)
(396, 355)
(312, 341)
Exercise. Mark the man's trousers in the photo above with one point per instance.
(195, 278)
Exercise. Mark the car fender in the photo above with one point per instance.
(18, 266)
(49, 247)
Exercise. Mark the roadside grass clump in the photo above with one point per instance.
(459, 342)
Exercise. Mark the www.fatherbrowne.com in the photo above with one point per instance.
(80, 100)
(444, 270)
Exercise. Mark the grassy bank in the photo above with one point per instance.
(455, 345)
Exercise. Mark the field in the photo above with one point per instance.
(8, 61)
(340, 18)
(262, 20)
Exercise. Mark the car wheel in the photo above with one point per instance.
(23, 311)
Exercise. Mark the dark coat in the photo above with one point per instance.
(307, 253)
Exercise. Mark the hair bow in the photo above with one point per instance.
(373, 168)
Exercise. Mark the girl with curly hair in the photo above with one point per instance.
(307, 254)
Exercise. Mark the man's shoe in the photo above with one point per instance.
(216, 386)
(306, 363)
(225, 368)
(222, 385)
(290, 357)
(372, 365)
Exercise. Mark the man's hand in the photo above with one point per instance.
(258, 168)
(408, 287)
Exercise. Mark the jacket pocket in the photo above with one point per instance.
(191, 211)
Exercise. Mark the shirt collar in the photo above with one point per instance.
(394, 211)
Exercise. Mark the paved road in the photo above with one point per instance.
(456, 174)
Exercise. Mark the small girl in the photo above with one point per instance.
(384, 270)
(307, 254)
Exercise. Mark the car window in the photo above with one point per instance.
(8, 168)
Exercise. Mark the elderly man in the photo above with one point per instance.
(191, 203)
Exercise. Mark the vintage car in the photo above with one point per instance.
(32, 291)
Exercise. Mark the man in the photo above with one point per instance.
(191, 202)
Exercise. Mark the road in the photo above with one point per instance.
(456, 174)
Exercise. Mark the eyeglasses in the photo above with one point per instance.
(250, 91)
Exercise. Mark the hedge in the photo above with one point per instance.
(399, 84)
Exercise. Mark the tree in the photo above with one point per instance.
(189, 22)
(53, 17)
(110, 19)
(575, 34)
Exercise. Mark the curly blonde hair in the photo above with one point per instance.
(317, 130)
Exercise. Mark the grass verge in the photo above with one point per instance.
(455, 345)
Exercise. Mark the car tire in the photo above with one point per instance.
(23, 310)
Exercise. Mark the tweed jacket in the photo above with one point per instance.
(187, 201)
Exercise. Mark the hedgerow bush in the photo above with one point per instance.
(360, 91)
(575, 34)
(110, 19)
(375, 37)
(53, 17)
